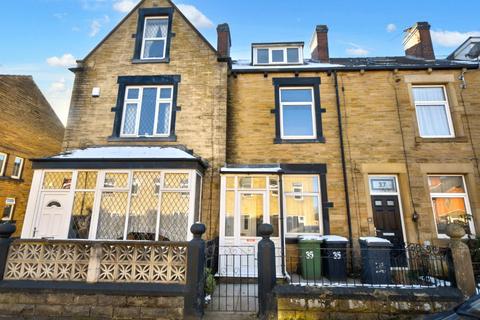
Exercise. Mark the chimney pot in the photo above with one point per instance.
(224, 41)
(417, 41)
(319, 44)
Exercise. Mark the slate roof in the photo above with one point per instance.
(366, 63)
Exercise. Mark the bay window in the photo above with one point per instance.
(450, 203)
(433, 112)
(125, 204)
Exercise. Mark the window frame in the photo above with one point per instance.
(463, 195)
(143, 81)
(297, 82)
(12, 209)
(4, 164)
(270, 55)
(149, 13)
(294, 194)
(139, 102)
(312, 110)
(445, 104)
(20, 168)
(144, 39)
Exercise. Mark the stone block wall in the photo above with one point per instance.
(61, 305)
(361, 303)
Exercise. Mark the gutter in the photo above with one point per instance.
(342, 154)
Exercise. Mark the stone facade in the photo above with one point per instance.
(63, 305)
(362, 303)
(202, 94)
(30, 129)
(378, 117)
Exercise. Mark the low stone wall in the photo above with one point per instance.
(294, 302)
(28, 303)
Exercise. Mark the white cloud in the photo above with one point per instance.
(92, 4)
(97, 24)
(67, 60)
(447, 38)
(196, 17)
(391, 27)
(357, 51)
(124, 6)
(60, 15)
(58, 86)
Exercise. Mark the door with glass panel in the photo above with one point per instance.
(247, 202)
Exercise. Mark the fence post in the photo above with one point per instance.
(6, 231)
(266, 269)
(195, 295)
(462, 261)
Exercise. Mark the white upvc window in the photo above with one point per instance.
(3, 162)
(147, 111)
(277, 55)
(297, 113)
(8, 209)
(302, 204)
(17, 168)
(154, 40)
(450, 203)
(433, 111)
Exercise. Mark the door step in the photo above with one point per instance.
(230, 315)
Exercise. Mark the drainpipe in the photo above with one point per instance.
(282, 227)
(342, 155)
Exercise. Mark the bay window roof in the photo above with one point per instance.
(123, 157)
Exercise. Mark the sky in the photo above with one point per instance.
(43, 38)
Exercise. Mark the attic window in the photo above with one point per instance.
(152, 43)
(278, 54)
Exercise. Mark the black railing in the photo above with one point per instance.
(235, 272)
(412, 267)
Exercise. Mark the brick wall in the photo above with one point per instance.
(200, 125)
(30, 129)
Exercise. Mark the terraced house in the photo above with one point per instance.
(165, 130)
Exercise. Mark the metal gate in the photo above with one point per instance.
(234, 272)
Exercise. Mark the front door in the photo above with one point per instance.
(388, 225)
(52, 219)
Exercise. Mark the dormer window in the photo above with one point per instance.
(265, 54)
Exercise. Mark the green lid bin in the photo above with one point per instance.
(310, 257)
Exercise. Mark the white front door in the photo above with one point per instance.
(52, 220)
(242, 213)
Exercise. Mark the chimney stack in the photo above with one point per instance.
(319, 44)
(417, 41)
(224, 41)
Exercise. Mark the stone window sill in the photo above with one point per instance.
(5, 178)
(460, 139)
(297, 141)
(166, 60)
(171, 138)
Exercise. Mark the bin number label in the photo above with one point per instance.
(309, 255)
(337, 255)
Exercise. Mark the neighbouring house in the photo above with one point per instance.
(30, 129)
(374, 146)
(165, 130)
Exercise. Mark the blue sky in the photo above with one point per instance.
(44, 37)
